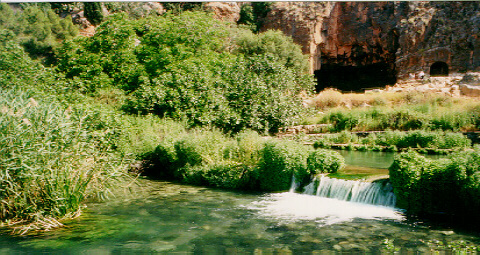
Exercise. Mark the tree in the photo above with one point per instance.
(93, 12)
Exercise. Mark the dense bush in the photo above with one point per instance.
(192, 67)
(93, 12)
(38, 30)
(253, 14)
(325, 161)
(449, 186)
(246, 161)
(279, 162)
(16, 67)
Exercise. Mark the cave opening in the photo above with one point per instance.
(355, 78)
(439, 68)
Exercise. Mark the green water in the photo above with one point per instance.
(373, 159)
(171, 218)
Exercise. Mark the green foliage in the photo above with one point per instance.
(135, 10)
(434, 141)
(325, 161)
(437, 113)
(7, 17)
(93, 12)
(279, 162)
(246, 161)
(190, 67)
(38, 30)
(273, 44)
(253, 14)
(179, 7)
(247, 17)
(105, 59)
(342, 121)
(16, 68)
(174, 38)
(450, 186)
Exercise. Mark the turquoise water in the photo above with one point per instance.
(170, 218)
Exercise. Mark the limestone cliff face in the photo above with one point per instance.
(376, 43)
(226, 11)
(445, 32)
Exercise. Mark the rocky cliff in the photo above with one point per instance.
(353, 45)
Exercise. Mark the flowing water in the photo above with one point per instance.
(166, 218)
(374, 193)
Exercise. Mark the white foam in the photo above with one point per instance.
(293, 206)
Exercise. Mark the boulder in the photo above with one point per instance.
(469, 90)
(471, 79)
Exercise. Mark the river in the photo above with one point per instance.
(164, 217)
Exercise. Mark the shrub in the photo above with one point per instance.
(160, 163)
(16, 68)
(195, 68)
(419, 139)
(279, 162)
(38, 30)
(324, 161)
(342, 121)
(246, 162)
(328, 98)
(450, 186)
(93, 12)
(253, 14)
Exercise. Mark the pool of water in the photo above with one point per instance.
(373, 159)
(169, 218)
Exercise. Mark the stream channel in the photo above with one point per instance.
(164, 217)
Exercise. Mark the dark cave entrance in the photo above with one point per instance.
(439, 69)
(355, 78)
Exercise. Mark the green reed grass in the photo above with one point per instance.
(50, 161)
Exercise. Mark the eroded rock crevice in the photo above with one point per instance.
(355, 78)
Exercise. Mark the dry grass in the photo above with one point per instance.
(332, 98)
(394, 110)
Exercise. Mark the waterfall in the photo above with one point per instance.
(375, 193)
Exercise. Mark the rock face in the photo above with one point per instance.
(226, 11)
(353, 45)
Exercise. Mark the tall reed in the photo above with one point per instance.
(50, 160)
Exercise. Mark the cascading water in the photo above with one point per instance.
(374, 193)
